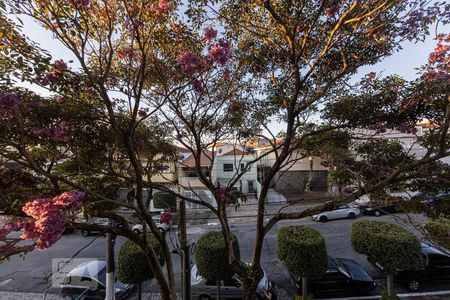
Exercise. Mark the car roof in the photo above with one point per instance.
(429, 248)
(89, 269)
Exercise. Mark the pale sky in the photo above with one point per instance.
(402, 63)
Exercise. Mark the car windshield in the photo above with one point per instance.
(342, 268)
(102, 279)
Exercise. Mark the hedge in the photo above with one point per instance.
(132, 265)
(164, 200)
(211, 256)
(392, 246)
(303, 251)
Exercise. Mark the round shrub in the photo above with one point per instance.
(164, 200)
(303, 251)
(211, 256)
(132, 265)
(392, 246)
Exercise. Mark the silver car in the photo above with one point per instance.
(203, 289)
(341, 212)
(138, 228)
(88, 281)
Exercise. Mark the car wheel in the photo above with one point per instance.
(413, 285)
(204, 297)
(351, 215)
(377, 213)
(85, 233)
(323, 218)
(136, 231)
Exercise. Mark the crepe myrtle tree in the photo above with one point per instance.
(390, 245)
(144, 78)
(212, 258)
(303, 252)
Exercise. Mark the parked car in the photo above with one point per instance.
(96, 221)
(138, 228)
(433, 200)
(341, 212)
(436, 268)
(379, 209)
(88, 281)
(343, 276)
(203, 289)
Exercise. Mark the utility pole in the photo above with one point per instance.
(110, 266)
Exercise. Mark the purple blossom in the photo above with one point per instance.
(380, 128)
(10, 105)
(197, 86)
(60, 65)
(209, 34)
(189, 62)
(332, 10)
(220, 52)
(80, 3)
(60, 133)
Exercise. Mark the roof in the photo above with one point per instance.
(205, 159)
(234, 152)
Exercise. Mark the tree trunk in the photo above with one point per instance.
(310, 176)
(139, 291)
(249, 292)
(185, 247)
(304, 288)
(218, 290)
(390, 284)
(110, 266)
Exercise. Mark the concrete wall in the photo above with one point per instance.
(296, 180)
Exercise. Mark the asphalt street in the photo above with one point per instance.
(32, 274)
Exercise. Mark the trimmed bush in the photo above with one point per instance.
(303, 251)
(437, 231)
(211, 256)
(132, 265)
(392, 246)
(165, 200)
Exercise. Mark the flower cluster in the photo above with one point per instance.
(80, 3)
(410, 129)
(220, 52)
(47, 219)
(379, 128)
(165, 217)
(439, 61)
(10, 105)
(209, 34)
(59, 133)
(163, 6)
(189, 62)
(332, 10)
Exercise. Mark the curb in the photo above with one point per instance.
(424, 294)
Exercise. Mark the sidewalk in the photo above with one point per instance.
(442, 295)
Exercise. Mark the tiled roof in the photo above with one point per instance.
(205, 159)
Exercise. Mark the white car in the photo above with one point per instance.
(138, 228)
(341, 212)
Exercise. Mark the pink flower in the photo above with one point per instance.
(209, 34)
(166, 216)
(197, 86)
(371, 75)
(125, 53)
(347, 190)
(72, 199)
(332, 10)
(60, 133)
(189, 62)
(220, 52)
(80, 3)
(10, 105)
(163, 6)
(60, 65)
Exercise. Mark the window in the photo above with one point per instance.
(243, 168)
(166, 169)
(228, 167)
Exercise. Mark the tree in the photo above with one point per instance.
(303, 252)
(212, 258)
(147, 77)
(132, 263)
(392, 246)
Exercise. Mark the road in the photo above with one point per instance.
(32, 273)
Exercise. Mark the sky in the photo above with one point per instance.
(402, 63)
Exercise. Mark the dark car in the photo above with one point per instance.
(436, 268)
(88, 281)
(343, 276)
(379, 209)
(96, 221)
(432, 200)
(203, 289)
